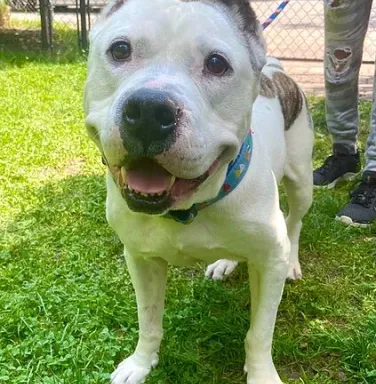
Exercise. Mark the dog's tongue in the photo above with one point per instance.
(149, 177)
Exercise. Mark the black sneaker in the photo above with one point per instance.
(336, 167)
(361, 210)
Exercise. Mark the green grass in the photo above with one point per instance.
(68, 311)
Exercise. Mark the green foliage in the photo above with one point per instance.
(3, 8)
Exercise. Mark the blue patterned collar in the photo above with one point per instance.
(235, 173)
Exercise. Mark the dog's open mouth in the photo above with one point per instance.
(149, 188)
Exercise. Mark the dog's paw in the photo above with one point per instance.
(220, 269)
(133, 370)
(265, 381)
(294, 272)
(267, 376)
(263, 372)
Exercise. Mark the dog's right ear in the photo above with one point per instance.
(246, 20)
(242, 9)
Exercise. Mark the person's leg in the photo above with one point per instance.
(361, 210)
(346, 23)
(371, 141)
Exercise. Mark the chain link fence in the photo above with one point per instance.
(298, 33)
(57, 25)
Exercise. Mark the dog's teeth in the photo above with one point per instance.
(143, 194)
(123, 175)
(119, 179)
(172, 181)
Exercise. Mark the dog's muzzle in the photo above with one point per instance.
(149, 122)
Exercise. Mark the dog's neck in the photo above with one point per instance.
(235, 173)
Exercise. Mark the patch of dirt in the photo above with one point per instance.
(74, 166)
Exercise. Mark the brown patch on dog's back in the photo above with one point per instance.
(267, 88)
(289, 94)
(290, 97)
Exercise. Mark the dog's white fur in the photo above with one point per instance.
(173, 38)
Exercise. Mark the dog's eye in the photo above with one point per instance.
(216, 64)
(120, 50)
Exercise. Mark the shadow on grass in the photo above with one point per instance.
(20, 40)
(20, 46)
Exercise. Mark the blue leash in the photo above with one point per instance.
(275, 14)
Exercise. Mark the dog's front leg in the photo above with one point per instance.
(266, 283)
(149, 281)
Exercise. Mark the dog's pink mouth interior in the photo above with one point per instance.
(149, 179)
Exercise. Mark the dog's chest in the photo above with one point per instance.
(217, 232)
(183, 245)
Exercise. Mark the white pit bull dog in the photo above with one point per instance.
(197, 130)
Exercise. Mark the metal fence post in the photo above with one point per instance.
(46, 23)
(83, 27)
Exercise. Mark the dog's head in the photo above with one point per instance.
(169, 95)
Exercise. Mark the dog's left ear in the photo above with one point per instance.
(246, 19)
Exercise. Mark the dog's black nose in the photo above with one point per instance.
(150, 116)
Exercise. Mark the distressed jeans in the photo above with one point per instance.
(346, 23)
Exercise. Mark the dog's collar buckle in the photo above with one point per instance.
(235, 173)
